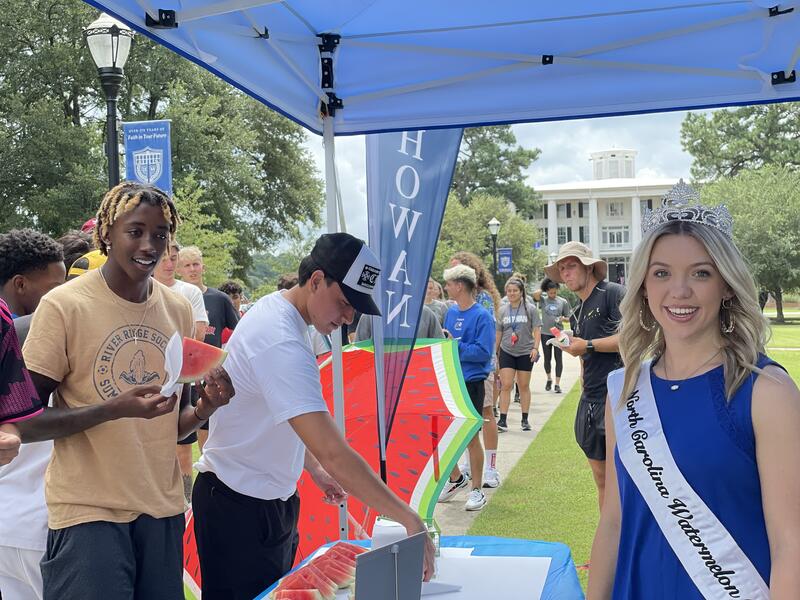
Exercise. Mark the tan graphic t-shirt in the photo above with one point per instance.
(97, 346)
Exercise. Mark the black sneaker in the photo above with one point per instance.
(525, 425)
(496, 412)
(502, 425)
(557, 389)
(548, 385)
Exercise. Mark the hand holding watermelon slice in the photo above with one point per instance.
(560, 339)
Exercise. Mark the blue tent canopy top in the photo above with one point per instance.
(384, 65)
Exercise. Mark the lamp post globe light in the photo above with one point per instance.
(494, 228)
(109, 42)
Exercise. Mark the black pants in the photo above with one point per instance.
(140, 560)
(245, 544)
(549, 352)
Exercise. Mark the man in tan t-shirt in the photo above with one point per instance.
(113, 489)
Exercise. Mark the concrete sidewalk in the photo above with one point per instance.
(451, 516)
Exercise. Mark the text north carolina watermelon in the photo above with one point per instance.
(198, 359)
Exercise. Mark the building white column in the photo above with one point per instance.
(636, 221)
(552, 227)
(594, 228)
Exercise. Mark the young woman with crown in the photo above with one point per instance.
(703, 427)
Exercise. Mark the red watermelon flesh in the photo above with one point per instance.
(304, 578)
(198, 359)
(344, 559)
(350, 549)
(340, 573)
(297, 595)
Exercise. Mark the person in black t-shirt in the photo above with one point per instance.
(221, 314)
(594, 323)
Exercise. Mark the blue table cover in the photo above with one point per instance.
(562, 579)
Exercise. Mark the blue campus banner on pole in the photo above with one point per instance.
(505, 263)
(408, 179)
(148, 157)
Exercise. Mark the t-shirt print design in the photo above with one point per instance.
(130, 356)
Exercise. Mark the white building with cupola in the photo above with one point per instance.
(603, 212)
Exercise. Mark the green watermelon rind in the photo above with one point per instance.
(467, 429)
(195, 377)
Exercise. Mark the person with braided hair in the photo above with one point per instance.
(97, 343)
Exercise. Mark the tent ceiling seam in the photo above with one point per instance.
(220, 8)
(275, 47)
(547, 20)
(296, 14)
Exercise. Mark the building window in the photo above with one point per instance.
(646, 205)
(543, 235)
(615, 209)
(563, 211)
(616, 237)
(564, 235)
(583, 234)
(544, 209)
(583, 210)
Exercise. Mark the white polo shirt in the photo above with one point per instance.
(251, 447)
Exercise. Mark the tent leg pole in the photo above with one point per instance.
(336, 338)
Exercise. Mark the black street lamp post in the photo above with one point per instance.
(494, 228)
(109, 42)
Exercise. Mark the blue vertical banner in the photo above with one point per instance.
(148, 155)
(408, 180)
(505, 262)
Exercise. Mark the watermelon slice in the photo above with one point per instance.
(304, 579)
(350, 549)
(345, 559)
(342, 574)
(297, 595)
(198, 359)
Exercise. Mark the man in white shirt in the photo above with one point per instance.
(165, 273)
(245, 497)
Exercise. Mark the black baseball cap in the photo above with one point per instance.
(349, 261)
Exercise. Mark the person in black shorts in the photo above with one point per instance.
(594, 322)
(517, 344)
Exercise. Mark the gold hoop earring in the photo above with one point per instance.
(641, 318)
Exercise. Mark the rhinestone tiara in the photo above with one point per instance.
(678, 206)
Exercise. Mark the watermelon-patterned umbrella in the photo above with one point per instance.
(433, 424)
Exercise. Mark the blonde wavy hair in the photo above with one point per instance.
(740, 348)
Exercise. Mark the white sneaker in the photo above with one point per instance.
(451, 488)
(491, 478)
(465, 470)
(476, 500)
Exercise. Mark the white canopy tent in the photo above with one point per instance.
(366, 66)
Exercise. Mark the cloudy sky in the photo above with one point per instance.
(565, 147)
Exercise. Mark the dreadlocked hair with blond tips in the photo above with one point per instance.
(123, 198)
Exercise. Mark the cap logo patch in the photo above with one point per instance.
(368, 276)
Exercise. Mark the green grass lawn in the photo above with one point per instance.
(550, 494)
(785, 336)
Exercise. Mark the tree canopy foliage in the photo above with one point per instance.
(491, 162)
(726, 142)
(765, 205)
(244, 163)
(464, 228)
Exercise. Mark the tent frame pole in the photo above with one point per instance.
(336, 336)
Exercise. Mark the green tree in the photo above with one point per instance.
(198, 228)
(491, 162)
(464, 228)
(765, 205)
(726, 142)
(254, 174)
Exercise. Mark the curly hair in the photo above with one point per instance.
(548, 284)
(26, 250)
(230, 287)
(287, 281)
(75, 244)
(122, 199)
(485, 279)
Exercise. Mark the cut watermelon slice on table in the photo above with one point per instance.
(198, 359)
(334, 568)
(305, 579)
(297, 595)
